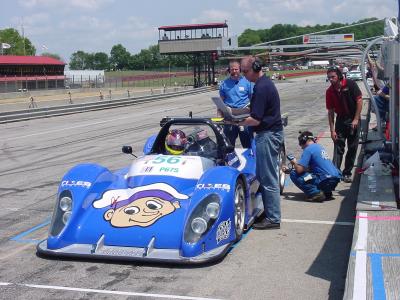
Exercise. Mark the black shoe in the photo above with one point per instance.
(319, 197)
(328, 196)
(264, 224)
(260, 218)
(347, 178)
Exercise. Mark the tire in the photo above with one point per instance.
(281, 163)
(239, 209)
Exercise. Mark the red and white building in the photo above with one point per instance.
(21, 73)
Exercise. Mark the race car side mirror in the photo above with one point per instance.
(127, 149)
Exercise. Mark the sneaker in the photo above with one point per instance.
(320, 197)
(265, 224)
(328, 196)
(347, 178)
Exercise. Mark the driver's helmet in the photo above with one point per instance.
(175, 142)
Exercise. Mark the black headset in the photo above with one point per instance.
(256, 65)
(305, 136)
(337, 71)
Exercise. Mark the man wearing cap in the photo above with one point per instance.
(314, 173)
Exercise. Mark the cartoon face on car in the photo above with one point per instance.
(139, 206)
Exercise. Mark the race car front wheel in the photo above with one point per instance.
(239, 209)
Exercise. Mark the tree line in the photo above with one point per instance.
(150, 59)
(281, 31)
(121, 59)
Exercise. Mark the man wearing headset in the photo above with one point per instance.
(344, 99)
(265, 119)
(236, 92)
(314, 173)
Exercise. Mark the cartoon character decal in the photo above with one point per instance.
(141, 206)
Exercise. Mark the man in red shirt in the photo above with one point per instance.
(344, 99)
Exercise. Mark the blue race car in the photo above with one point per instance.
(187, 208)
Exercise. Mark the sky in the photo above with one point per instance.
(64, 27)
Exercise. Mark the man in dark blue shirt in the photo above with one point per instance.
(314, 173)
(265, 118)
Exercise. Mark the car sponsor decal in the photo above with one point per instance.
(233, 160)
(169, 170)
(179, 166)
(77, 183)
(147, 169)
(223, 231)
(218, 186)
(141, 206)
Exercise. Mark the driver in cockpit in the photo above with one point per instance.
(175, 142)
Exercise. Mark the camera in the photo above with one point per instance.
(290, 157)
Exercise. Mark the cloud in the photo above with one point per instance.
(34, 24)
(84, 24)
(84, 4)
(97, 25)
(92, 34)
(305, 6)
(339, 7)
(212, 15)
(243, 4)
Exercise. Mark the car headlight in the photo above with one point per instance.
(66, 203)
(212, 210)
(62, 212)
(66, 216)
(199, 225)
(202, 218)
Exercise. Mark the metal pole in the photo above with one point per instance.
(364, 56)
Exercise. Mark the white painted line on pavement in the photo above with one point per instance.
(64, 288)
(78, 126)
(5, 283)
(317, 222)
(360, 269)
(67, 128)
(361, 243)
(360, 276)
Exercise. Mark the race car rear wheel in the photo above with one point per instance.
(281, 163)
(240, 209)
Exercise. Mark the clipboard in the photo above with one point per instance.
(231, 114)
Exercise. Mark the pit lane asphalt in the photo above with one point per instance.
(305, 259)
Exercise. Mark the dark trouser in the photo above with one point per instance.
(345, 133)
(245, 134)
(314, 185)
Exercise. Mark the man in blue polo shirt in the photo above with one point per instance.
(266, 121)
(314, 173)
(236, 92)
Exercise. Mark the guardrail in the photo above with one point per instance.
(45, 112)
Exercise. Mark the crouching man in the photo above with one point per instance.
(314, 173)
